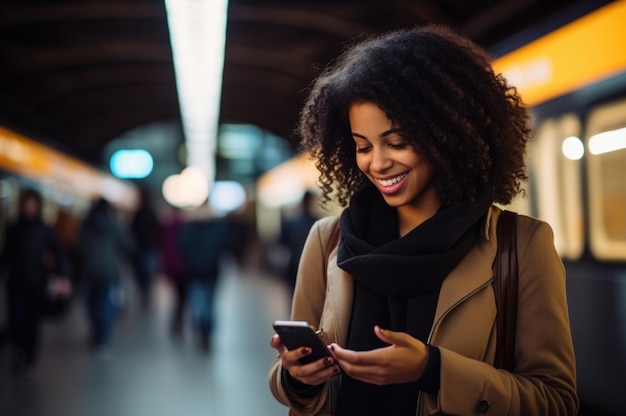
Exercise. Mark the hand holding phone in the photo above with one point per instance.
(296, 334)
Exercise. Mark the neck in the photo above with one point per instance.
(410, 217)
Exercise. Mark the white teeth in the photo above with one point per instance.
(389, 182)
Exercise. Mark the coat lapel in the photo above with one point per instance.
(342, 284)
(467, 303)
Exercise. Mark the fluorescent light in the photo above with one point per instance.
(187, 189)
(227, 196)
(197, 33)
(573, 148)
(131, 163)
(609, 141)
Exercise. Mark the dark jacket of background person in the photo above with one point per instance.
(104, 245)
(145, 226)
(145, 229)
(173, 264)
(32, 254)
(203, 241)
(32, 257)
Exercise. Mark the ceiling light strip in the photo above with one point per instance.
(197, 33)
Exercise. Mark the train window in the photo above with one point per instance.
(606, 139)
(555, 176)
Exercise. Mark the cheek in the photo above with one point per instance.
(420, 163)
(426, 172)
(362, 163)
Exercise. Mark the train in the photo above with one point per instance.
(574, 80)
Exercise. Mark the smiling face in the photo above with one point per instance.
(402, 175)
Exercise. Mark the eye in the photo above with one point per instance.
(363, 149)
(400, 145)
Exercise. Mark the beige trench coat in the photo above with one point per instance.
(544, 380)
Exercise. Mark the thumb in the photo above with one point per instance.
(392, 337)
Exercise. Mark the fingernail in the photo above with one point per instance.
(328, 361)
(305, 350)
(336, 370)
(331, 347)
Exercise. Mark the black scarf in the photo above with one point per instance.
(397, 282)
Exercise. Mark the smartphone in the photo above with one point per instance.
(296, 334)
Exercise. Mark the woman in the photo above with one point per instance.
(415, 131)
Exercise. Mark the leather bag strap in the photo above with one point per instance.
(332, 240)
(505, 286)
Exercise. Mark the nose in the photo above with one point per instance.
(380, 160)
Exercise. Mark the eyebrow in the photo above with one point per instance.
(384, 134)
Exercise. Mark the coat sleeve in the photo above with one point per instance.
(307, 305)
(544, 379)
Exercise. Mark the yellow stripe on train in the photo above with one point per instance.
(578, 54)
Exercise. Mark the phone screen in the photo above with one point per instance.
(296, 334)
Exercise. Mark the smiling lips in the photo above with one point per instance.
(387, 185)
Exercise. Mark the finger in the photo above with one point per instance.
(355, 358)
(315, 378)
(393, 337)
(325, 363)
(292, 357)
(276, 343)
(316, 372)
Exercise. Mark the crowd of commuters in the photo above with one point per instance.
(44, 269)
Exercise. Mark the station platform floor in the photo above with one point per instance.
(147, 372)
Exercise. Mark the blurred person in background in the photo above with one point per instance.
(173, 265)
(37, 271)
(145, 229)
(203, 240)
(293, 234)
(104, 247)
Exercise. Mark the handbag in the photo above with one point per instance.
(505, 286)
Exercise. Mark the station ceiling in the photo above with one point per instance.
(79, 73)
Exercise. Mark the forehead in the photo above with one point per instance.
(367, 113)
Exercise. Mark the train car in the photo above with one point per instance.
(574, 78)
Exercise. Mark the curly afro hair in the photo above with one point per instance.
(441, 90)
